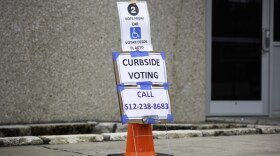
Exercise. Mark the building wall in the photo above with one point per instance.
(275, 84)
(56, 66)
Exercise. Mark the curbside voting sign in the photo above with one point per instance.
(140, 74)
(142, 86)
(135, 26)
(133, 67)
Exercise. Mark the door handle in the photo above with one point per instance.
(265, 40)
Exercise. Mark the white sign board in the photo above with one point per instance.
(138, 103)
(140, 67)
(135, 26)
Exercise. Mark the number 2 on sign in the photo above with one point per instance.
(133, 10)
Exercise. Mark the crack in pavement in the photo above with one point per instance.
(63, 150)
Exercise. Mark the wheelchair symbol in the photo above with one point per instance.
(135, 32)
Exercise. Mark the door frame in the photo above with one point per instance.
(219, 108)
(272, 113)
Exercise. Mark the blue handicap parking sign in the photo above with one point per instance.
(135, 32)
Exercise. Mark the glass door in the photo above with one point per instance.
(239, 57)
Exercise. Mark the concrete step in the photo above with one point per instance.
(98, 128)
(59, 129)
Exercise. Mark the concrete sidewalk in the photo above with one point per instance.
(245, 145)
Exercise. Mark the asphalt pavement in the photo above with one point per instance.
(242, 145)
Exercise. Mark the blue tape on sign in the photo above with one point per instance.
(124, 119)
(151, 121)
(139, 53)
(120, 87)
(170, 118)
(115, 55)
(162, 55)
(146, 85)
(166, 85)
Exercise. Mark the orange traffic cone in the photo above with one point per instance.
(139, 140)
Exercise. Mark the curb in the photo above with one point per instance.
(70, 139)
(19, 141)
(121, 136)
